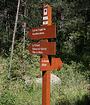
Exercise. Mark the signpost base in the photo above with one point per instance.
(46, 87)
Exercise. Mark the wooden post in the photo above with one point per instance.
(47, 20)
(46, 88)
(46, 48)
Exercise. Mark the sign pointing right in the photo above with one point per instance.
(43, 32)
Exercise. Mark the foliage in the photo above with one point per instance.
(23, 63)
(73, 39)
(73, 86)
(72, 91)
(7, 99)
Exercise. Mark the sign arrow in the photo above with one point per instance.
(43, 48)
(56, 63)
(43, 32)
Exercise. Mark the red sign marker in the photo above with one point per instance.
(56, 63)
(43, 48)
(44, 64)
(43, 32)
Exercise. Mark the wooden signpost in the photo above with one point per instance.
(45, 48)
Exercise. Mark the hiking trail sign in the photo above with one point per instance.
(44, 48)
(43, 32)
(56, 63)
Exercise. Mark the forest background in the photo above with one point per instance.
(72, 18)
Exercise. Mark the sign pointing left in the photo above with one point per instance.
(43, 48)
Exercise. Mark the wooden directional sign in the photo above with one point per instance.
(47, 15)
(43, 32)
(45, 65)
(43, 48)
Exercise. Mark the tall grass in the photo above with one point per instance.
(72, 90)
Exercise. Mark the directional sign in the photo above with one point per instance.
(47, 15)
(43, 32)
(43, 48)
(45, 65)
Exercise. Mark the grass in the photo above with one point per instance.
(73, 89)
(74, 84)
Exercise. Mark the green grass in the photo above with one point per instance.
(72, 91)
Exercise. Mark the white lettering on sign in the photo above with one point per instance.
(35, 52)
(42, 49)
(35, 45)
(41, 29)
(44, 65)
(38, 29)
(35, 49)
(45, 18)
(45, 22)
(45, 11)
(38, 33)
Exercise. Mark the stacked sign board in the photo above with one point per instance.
(43, 32)
(43, 47)
(56, 64)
